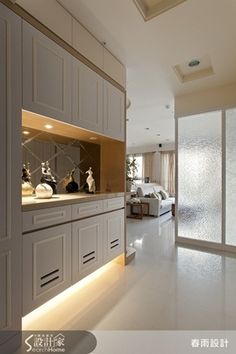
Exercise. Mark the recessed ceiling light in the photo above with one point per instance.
(194, 62)
(147, 128)
(158, 134)
(25, 132)
(93, 138)
(167, 106)
(48, 126)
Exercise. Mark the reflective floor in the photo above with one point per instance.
(164, 288)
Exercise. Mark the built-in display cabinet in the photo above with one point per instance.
(57, 85)
(10, 199)
(87, 236)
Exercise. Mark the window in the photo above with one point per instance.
(137, 173)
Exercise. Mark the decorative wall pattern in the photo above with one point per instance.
(63, 154)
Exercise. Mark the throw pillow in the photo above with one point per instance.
(164, 194)
(158, 196)
(152, 195)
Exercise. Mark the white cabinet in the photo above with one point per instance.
(46, 76)
(114, 112)
(87, 45)
(83, 210)
(113, 203)
(10, 198)
(87, 98)
(86, 246)
(39, 219)
(46, 265)
(52, 15)
(114, 68)
(113, 237)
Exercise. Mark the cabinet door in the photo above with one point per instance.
(46, 76)
(87, 102)
(114, 112)
(113, 235)
(10, 188)
(86, 247)
(46, 265)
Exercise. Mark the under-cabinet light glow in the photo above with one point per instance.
(33, 316)
(48, 126)
(25, 132)
(93, 138)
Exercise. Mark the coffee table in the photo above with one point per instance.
(138, 210)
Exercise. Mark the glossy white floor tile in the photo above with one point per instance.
(166, 287)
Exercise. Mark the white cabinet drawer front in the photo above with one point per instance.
(46, 265)
(33, 220)
(86, 247)
(113, 204)
(83, 210)
(113, 235)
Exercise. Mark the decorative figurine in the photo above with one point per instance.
(43, 191)
(90, 181)
(69, 182)
(47, 176)
(26, 187)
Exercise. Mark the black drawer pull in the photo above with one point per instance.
(115, 245)
(88, 260)
(89, 254)
(114, 241)
(49, 281)
(47, 275)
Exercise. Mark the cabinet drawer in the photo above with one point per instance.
(46, 265)
(83, 210)
(38, 219)
(113, 204)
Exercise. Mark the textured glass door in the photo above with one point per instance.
(230, 177)
(200, 177)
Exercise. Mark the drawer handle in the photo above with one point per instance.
(114, 241)
(49, 281)
(89, 260)
(47, 275)
(89, 254)
(114, 246)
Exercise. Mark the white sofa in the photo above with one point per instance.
(156, 207)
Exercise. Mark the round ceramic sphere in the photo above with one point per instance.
(43, 190)
(27, 189)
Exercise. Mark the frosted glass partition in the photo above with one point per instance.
(230, 177)
(200, 177)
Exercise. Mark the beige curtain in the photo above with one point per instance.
(148, 167)
(168, 171)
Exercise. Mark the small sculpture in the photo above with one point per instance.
(69, 181)
(90, 181)
(43, 191)
(47, 176)
(26, 187)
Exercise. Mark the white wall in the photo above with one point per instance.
(205, 101)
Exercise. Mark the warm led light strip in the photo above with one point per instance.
(64, 296)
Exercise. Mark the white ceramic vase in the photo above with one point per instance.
(43, 191)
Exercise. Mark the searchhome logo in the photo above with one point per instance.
(82, 342)
(45, 343)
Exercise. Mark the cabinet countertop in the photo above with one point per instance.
(33, 203)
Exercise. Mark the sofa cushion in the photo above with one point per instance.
(146, 188)
(164, 194)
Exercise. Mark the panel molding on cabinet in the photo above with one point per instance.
(114, 68)
(46, 265)
(10, 187)
(114, 112)
(46, 76)
(113, 204)
(87, 98)
(86, 247)
(84, 210)
(38, 219)
(86, 44)
(113, 234)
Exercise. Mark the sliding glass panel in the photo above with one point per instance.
(231, 177)
(200, 177)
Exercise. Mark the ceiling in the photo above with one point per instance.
(152, 50)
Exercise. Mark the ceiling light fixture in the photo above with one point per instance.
(193, 63)
(158, 134)
(147, 128)
(48, 126)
